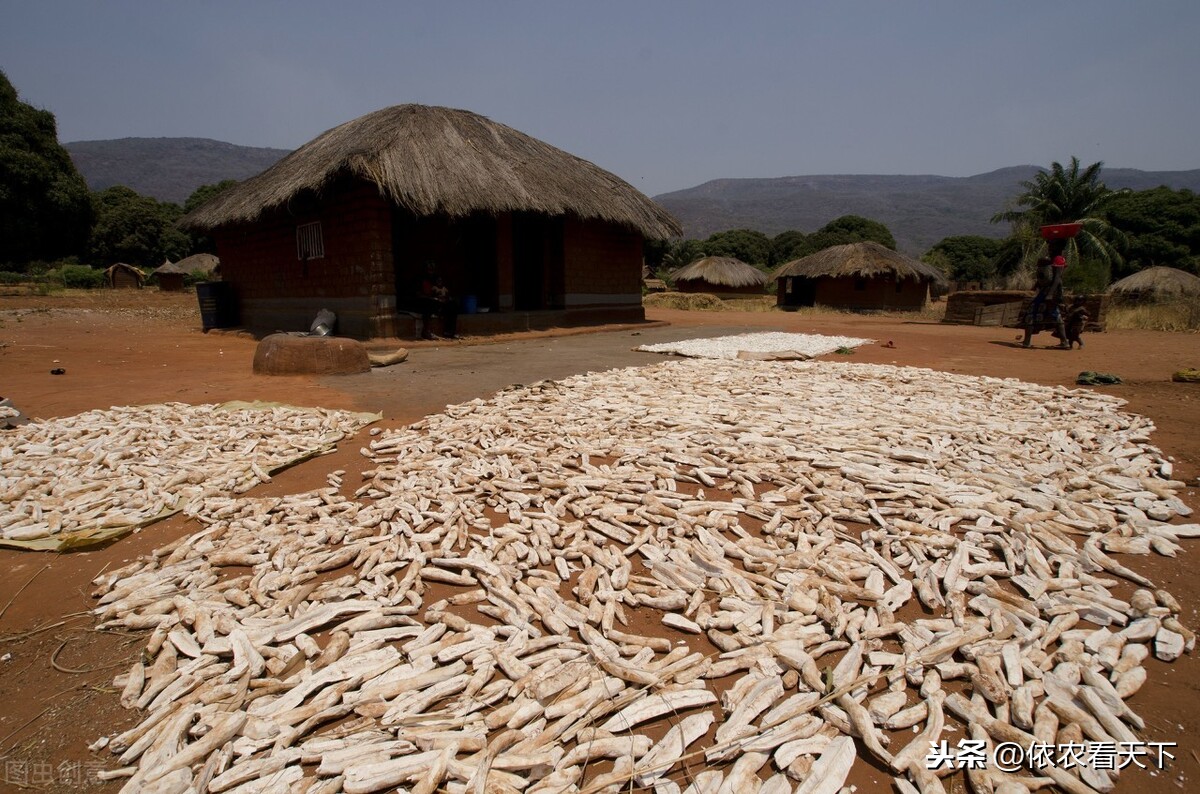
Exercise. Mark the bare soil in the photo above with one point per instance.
(136, 347)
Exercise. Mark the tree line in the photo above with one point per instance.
(48, 215)
(1124, 231)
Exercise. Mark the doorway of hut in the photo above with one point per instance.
(538, 262)
(796, 292)
(463, 249)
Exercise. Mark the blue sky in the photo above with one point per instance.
(665, 94)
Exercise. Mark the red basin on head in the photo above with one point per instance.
(1057, 231)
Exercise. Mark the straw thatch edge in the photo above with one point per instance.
(724, 271)
(1157, 282)
(196, 263)
(436, 160)
(860, 260)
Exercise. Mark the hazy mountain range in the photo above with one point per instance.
(919, 210)
(168, 169)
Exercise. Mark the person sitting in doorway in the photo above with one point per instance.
(436, 299)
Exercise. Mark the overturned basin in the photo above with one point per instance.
(284, 354)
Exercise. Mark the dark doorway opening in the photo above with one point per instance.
(538, 274)
(799, 291)
(463, 249)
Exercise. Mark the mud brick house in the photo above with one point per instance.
(172, 274)
(857, 276)
(524, 234)
(123, 276)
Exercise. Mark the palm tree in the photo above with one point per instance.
(1066, 195)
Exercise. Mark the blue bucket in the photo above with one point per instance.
(470, 304)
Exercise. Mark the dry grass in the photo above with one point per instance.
(689, 301)
(434, 160)
(1177, 315)
(763, 303)
(705, 302)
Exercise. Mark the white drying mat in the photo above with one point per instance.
(770, 344)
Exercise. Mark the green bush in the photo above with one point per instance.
(192, 279)
(78, 276)
(8, 277)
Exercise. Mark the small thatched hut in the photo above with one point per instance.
(722, 276)
(347, 222)
(123, 276)
(1155, 284)
(856, 276)
(170, 276)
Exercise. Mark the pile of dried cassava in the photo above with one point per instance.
(528, 591)
(765, 342)
(94, 476)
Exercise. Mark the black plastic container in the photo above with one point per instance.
(218, 304)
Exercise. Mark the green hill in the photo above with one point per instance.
(168, 169)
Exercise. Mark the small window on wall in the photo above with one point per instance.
(860, 285)
(310, 243)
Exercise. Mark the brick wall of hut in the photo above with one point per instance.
(602, 267)
(858, 293)
(276, 289)
(374, 259)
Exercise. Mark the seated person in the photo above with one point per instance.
(436, 299)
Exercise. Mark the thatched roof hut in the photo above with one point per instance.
(515, 227)
(720, 275)
(123, 276)
(170, 275)
(436, 160)
(863, 275)
(196, 263)
(1156, 284)
(860, 260)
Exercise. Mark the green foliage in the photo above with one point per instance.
(192, 279)
(753, 248)
(966, 257)
(850, 229)
(787, 246)
(1066, 195)
(135, 229)
(202, 243)
(766, 253)
(1161, 227)
(77, 277)
(791, 245)
(9, 277)
(1087, 275)
(44, 208)
(205, 193)
(683, 252)
(654, 252)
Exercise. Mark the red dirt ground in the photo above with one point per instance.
(144, 347)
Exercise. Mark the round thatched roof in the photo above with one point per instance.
(196, 263)
(439, 160)
(723, 271)
(860, 260)
(1157, 283)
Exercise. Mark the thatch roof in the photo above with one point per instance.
(723, 271)
(196, 263)
(433, 160)
(860, 260)
(122, 266)
(1158, 283)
